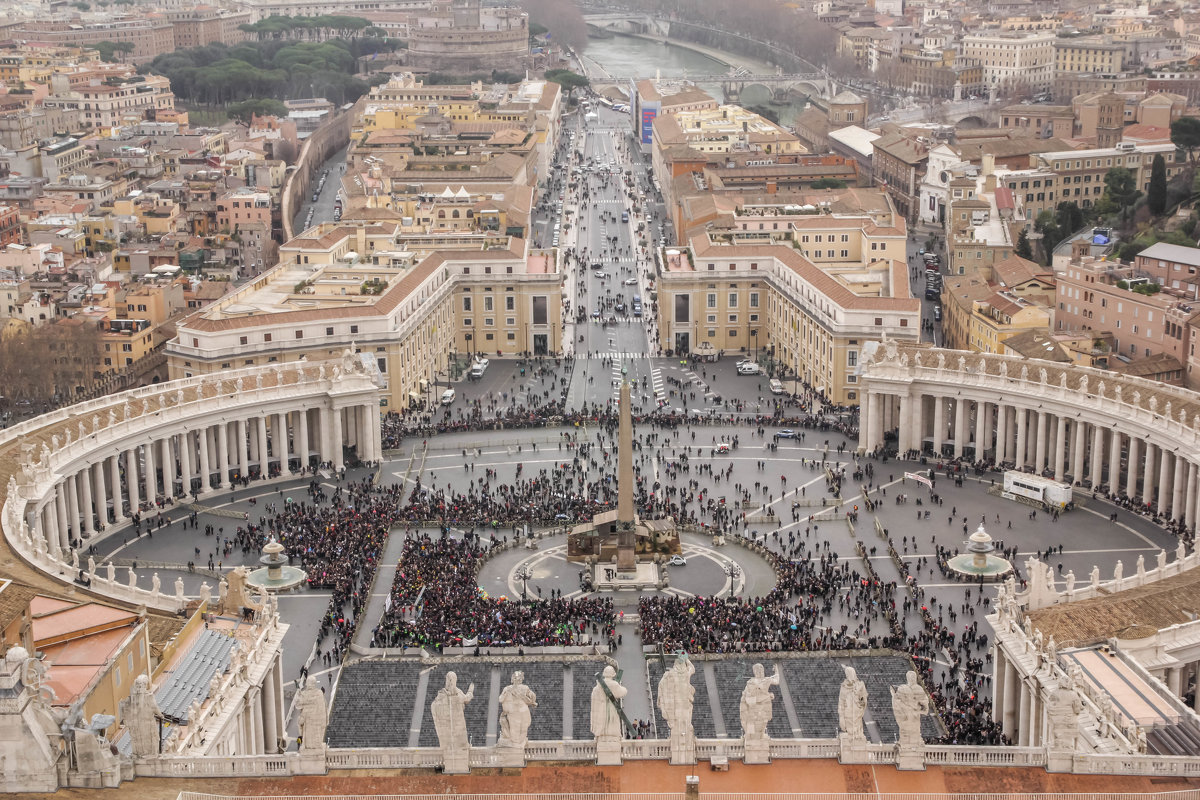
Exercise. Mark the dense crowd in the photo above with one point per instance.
(436, 602)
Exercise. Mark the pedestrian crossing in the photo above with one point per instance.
(619, 357)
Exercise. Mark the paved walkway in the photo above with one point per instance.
(381, 588)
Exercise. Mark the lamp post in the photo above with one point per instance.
(732, 571)
(523, 574)
(754, 336)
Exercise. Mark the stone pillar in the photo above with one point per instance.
(114, 474)
(1001, 433)
(918, 432)
(866, 400)
(1060, 447)
(280, 435)
(168, 467)
(1175, 681)
(223, 455)
(205, 440)
(1039, 457)
(101, 493)
(1114, 462)
(366, 431)
(48, 519)
(302, 445)
(1012, 697)
(1079, 428)
(185, 462)
(1164, 480)
(242, 445)
(1189, 502)
(270, 725)
(73, 506)
(1131, 477)
(1178, 480)
(64, 519)
(877, 406)
(337, 438)
(1023, 723)
(1019, 458)
(1149, 474)
(981, 429)
(264, 460)
(960, 426)
(325, 436)
(904, 424)
(939, 424)
(1096, 457)
(254, 698)
(85, 482)
(131, 478)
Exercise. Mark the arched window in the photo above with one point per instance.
(454, 213)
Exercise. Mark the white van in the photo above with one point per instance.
(748, 368)
(776, 386)
(478, 368)
(447, 397)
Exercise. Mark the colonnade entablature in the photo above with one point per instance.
(1100, 430)
(74, 473)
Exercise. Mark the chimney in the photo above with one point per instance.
(989, 164)
(1080, 249)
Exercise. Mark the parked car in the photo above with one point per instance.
(748, 368)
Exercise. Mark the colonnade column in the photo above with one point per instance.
(1149, 474)
(185, 461)
(1001, 433)
(1060, 447)
(281, 442)
(904, 432)
(980, 423)
(151, 472)
(223, 455)
(919, 423)
(101, 494)
(73, 506)
(1077, 450)
(960, 426)
(131, 479)
(205, 466)
(1039, 457)
(1114, 462)
(1097, 456)
(242, 449)
(1189, 503)
(337, 438)
(114, 474)
(1019, 456)
(264, 461)
(302, 445)
(1178, 509)
(64, 520)
(168, 467)
(939, 424)
(86, 485)
(1132, 468)
(270, 725)
(1164, 480)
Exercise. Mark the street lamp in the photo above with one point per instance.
(732, 571)
(754, 336)
(523, 574)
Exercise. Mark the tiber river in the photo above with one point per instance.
(628, 55)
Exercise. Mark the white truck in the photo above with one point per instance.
(1050, 493)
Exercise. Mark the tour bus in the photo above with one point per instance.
(1049, 493)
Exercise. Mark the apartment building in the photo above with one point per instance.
(1105, 296)
(1080, 173)
(651, 99)
(150, 35)
(1089, 54)
(109, 101)
(341, 286)
(1017, 62)
(729, 293)
(1172, 267)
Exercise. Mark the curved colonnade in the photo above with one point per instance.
(1091, 428)
(75, 472)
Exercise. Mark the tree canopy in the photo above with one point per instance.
(1185, 134)
(1156, 194)
(324, 26)
(216, 74)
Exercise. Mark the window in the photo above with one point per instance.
(467, 322)
(488, 304)
(733, 300)
(540, 310)
(711, 300)
(467, 303)
(299, 334)
(879, 320)
(489, 321)
(754, 299)
(329, 331)
(243, 340)
(266, 337)
(354, 329)
(682, 308)
(510, 303)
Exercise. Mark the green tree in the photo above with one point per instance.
(828, 183)
(1068, 216)
(1024, 249)
(247, 109)
(1185, 134)
(1050, 231)
(1156, 194)
(1120, 189)
(567, 80)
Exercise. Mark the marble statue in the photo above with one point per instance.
(676, 696)
(237, 596)
(1118, 571)
(450, 721)
(112, 416)
(1161, 561)
(193, 713)
(1051, 651)
(1180, 551)
(142, 717)
(205, 594)
(155, 584)
(1062, 383)
(757, 700)
(605, 720)
(321, 373)
(239, 385)
(1070, 580)
(909, 703)
(1042, 375)
(941, 360)
(1062, 711)
(962, 363)
(179, 589)
(1024, 373)
(1094, 575)
(258, 380)
(852, 704)
(917, 359)
(1003, 369)
(110, 571)
(1167, 410)
(132, 579)
(55, 442)
(516, 700)
(313, 717)
(1083, 384)
(1141, 566)
(347, 361)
